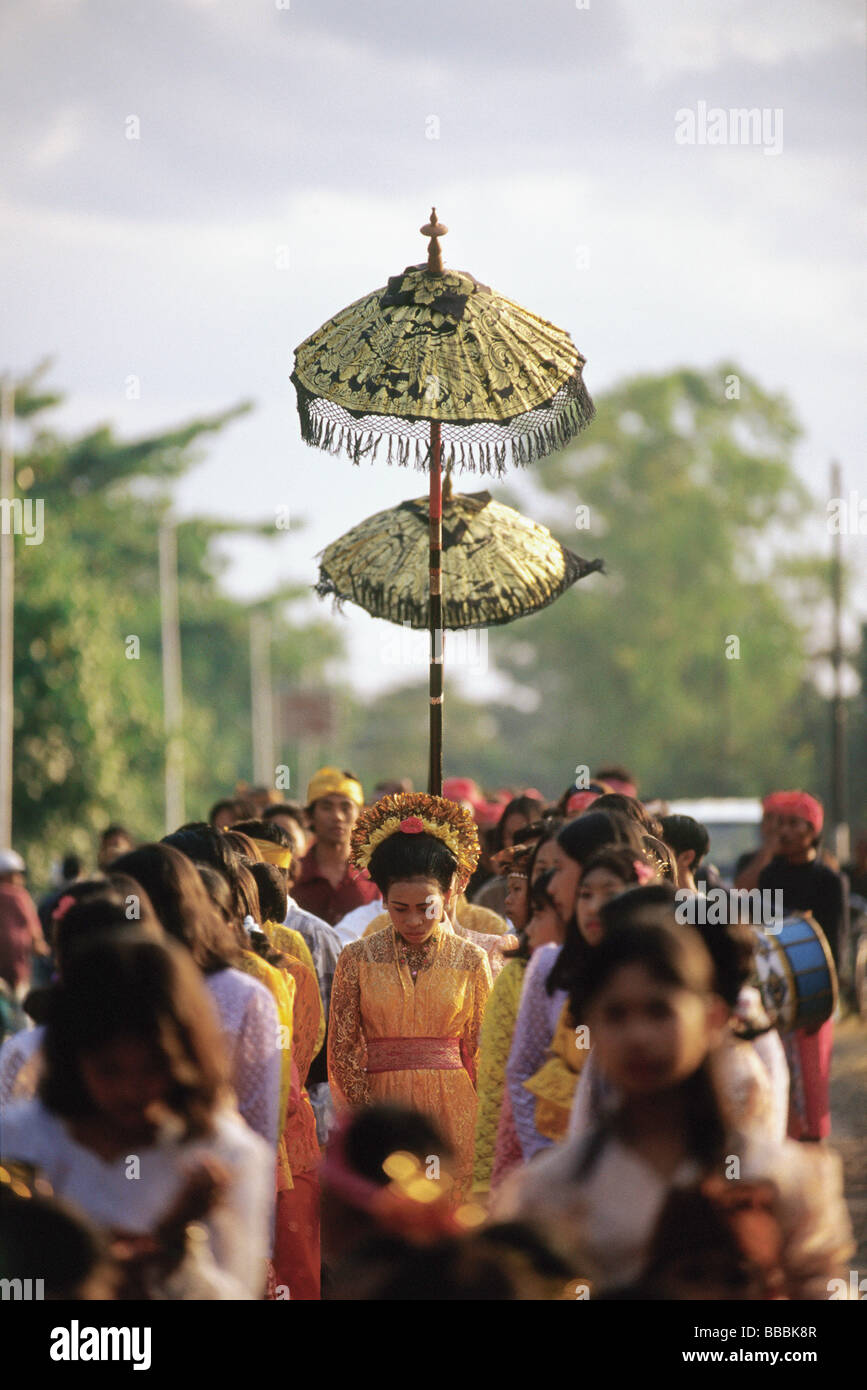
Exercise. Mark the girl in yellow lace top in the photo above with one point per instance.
(496, 1146)
(407, 1003)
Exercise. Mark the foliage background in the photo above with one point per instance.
(691, 498)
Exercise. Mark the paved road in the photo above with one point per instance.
(849, 1123)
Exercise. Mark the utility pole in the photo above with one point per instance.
(7, 608)
(261, 699)
(839, 809)
(172, 688)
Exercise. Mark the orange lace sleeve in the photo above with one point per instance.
(305, 1015)
(347, 1054)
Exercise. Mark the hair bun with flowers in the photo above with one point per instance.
(514, 860)
(417, 813)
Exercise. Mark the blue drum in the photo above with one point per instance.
(797, 978)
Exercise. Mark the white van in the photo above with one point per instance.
(732, 823)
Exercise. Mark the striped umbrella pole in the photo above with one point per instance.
(435, 229)
(435, 604)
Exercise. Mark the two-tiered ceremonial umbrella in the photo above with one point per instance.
(436, 368)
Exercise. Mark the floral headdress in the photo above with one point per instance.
(417, 813)
(514, 861)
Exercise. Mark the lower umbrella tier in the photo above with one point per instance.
(497, 565)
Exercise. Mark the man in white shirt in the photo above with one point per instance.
(352, 926)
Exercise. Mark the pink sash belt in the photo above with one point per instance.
(414, 1054)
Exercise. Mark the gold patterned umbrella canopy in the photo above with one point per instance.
(436, 368)
(497, 564)
(443, 347)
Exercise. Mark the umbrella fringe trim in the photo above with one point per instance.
(462, 455)
(470, 613)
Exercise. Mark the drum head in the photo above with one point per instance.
(796, 974)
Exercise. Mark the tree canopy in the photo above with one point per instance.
(89, 739)
(687, 660)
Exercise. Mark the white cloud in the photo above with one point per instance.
(62, 138)
(679, 36)
(158, 257)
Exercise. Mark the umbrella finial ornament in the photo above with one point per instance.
(434, 230)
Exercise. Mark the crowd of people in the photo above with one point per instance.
(418, 1046)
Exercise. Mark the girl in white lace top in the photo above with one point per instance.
(131, 1124)
(158, 877)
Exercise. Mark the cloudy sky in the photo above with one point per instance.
(287, 153)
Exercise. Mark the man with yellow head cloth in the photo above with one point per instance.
(327, 885)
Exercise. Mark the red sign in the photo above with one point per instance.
(307, 714)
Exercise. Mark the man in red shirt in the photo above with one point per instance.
(327, 885)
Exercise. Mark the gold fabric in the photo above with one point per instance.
(437, 347)
(374, 996)
(493, 943)
(329, 781)
(279, 855)
(292, 943)
(496, 1041)
(497, 565)
(299, 1134)
(480, 919)
(555, 1081)
(308, 1034)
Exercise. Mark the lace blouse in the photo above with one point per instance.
(496, 1040)
(251, 1032)
(249, 1023)
(238, 1228)
(534, 1029)
(20, 1062)
(375, 997)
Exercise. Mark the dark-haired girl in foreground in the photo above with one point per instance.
(90, 907)
(655, 1021)
(748, 1077)
(407, 1003)
(132, 1125)
(248, 1014)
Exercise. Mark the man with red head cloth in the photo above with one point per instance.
(807, 885)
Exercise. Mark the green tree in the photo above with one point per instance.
(89, 745)
(687, 660)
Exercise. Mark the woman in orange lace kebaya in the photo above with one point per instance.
(407, 1003)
